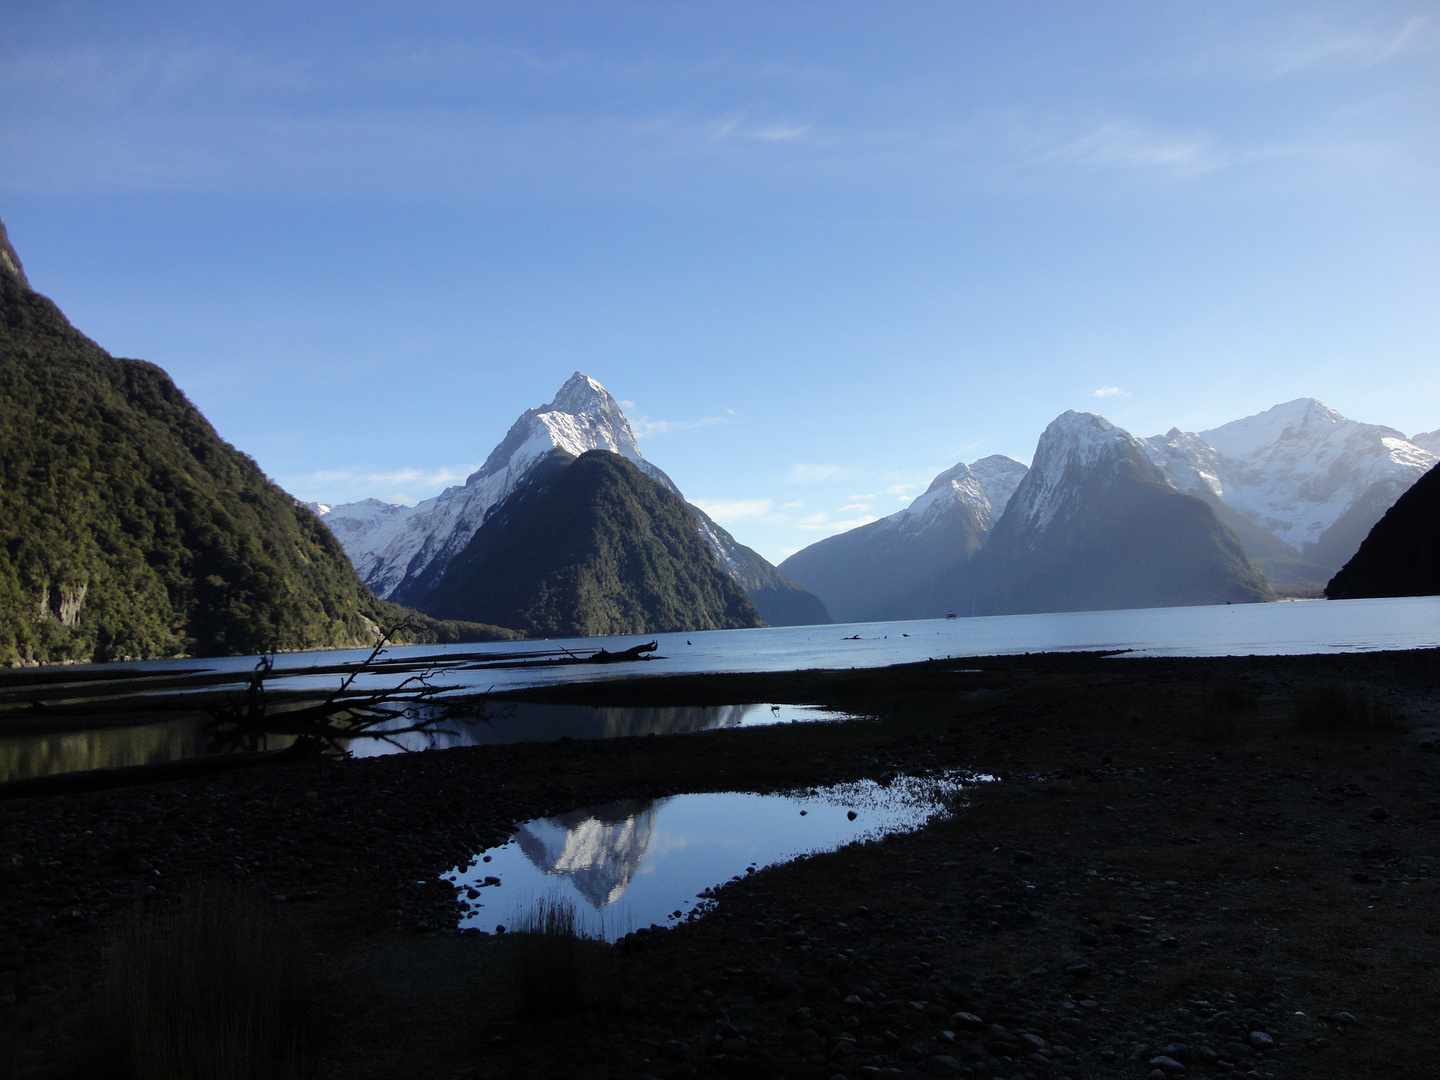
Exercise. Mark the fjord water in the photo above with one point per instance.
(1252, 629)
(646, 862)
(1280, 629)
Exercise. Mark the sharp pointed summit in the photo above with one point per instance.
(401, 552)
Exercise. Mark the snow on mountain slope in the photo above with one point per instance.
(390, 544)
(1188, 462)
(1096, 525)
(985, 486)
(887, 569)
(1297, 469)
(1428, 440)
(998, 476)
(1073, 445)
(353, 522)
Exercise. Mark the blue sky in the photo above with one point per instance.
(824, 250)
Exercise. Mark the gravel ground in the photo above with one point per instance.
(1168, 880)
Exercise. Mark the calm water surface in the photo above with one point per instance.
(1248, 629)
(1293, 628)
(642, 863)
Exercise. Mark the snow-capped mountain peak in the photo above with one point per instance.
(1298, 468)
(1072, 446)
(390, 544)
(1299, 419)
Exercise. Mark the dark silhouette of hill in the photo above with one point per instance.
(1401, 555)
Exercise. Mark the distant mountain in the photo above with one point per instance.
(394, 546)
(1299, 472)
(586, 546)
(888, 568)
(129, 528)
(1094, 524)
(1401, 556)
(1428, 440)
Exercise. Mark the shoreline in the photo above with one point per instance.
(1124, 766)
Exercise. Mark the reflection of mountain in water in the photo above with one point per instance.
(524, 721)
(599, 848)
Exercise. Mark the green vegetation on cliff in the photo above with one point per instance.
(588, 546)
(129, 528)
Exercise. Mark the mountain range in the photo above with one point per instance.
(1287, 497)
(400, 550)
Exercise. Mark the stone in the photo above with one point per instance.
(966, 1021)
(1261, 1041)
(1342, 1018)
(944, 1065)
(1087, 937)
(1167, 1065)
(1378, 813)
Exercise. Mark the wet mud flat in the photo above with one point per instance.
(1167, 876)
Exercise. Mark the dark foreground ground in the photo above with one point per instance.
(1170, 877)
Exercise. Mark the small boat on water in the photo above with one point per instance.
(951, 615)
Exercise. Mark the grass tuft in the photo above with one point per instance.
(1335, 708)
(212, 990)
(547, 959)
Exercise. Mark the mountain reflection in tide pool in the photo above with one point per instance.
(642, 862)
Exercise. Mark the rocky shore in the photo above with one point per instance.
(1170, 878)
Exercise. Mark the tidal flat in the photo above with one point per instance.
(1202, 866)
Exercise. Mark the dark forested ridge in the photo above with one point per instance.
(1401, 556)
(129, 528)
(588, 545)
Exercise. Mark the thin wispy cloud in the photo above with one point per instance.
(347, 485)
(1111, 391)
(814, 474)
(644, 427)
(1314, 42)
(727, 510)
(1127, 145)
(835, 526)
(736, 127)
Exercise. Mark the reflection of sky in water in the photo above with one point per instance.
(634, 864)
(523, 721)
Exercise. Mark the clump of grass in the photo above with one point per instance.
(547, 958)
(1335, 708)
(212, 990)
(1223, 703)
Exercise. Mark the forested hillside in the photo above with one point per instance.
(587, 545)
(129, 528)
